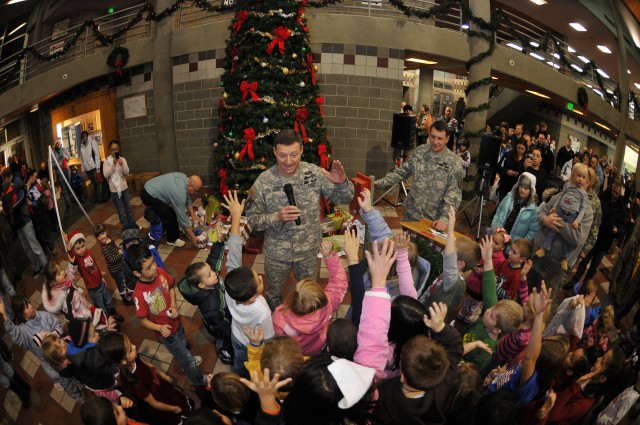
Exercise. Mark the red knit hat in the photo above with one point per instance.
(74, 237)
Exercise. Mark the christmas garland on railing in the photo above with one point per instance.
(498, 18)
(109, 39)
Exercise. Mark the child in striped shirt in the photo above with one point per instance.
(115, 264)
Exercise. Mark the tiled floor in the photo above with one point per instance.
(50, 406)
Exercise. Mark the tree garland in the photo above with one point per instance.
(109, 39)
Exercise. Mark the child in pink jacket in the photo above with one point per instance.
(306, 313)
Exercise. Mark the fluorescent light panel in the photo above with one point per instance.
(15, 1)
(464, 26)
(577, 26)
(17, 28)
(535, 93)
(537, 56)
(598, 91)
(601, 72)
(602, 125)
(423, 61)
(539, 2)
(604, 49)
(555, 65)
(557, 56)
(514, 46)
(578, 112)
(637, 85)
(534, 43)
(583, 59)
(576, 67)
(571, 49)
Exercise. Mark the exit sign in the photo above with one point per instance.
(570, 106)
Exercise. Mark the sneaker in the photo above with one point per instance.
(225, 357)
(198, 360)
(178, 243)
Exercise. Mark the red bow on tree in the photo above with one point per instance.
(249, 136)
(311, 69)
(298, 125)
(282, 34)
(241, 18)
(320, 102)
(119, 64)
(299, 20)
(324, 159)
(224, 187)
(249, 88)
(235, 53)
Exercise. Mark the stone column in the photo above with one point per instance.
(623, 79)
(163, 93)
(425, 89)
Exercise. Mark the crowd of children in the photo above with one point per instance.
(469, 348)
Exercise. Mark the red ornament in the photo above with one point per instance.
(235, 54)
(298, 124)
(252, 29)
(281, 35)
(324, 159)
(224, 187)
(311, 69)
(262, 159)
(320, 102)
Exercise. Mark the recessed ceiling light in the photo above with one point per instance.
(17, 28)
(576, 67)
(601, 72)
(555, 55)
(583, 59)
(578, 112)
(578, 27)
(602, 125)
(637, 85)
(534, 43)
(537, 56)
(423, 61)
(15, 1)
(555, 65)
(609, 91)
(494, 78)
(598, 91)
(539, 2)
(514, 46)
(571, 49)
(628, 72)
(590, 86)
(535, 93)
(604, 49)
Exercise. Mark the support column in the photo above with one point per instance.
(475, 121)
(623, 80)
(425, 89)
(163, 93)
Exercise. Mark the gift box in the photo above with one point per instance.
(225, 226)
(338, 217)
(326, 226)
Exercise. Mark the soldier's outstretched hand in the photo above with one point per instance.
(337, 174)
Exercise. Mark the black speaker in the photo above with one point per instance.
(403, 133)
(489, 152)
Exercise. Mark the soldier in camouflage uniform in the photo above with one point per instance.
(288, 244)
(437, 179)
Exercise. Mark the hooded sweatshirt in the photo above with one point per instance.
(310, 330)
(89, 366)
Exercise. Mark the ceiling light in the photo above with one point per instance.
(555, 55)
(494, 78)
(583, 59)
(637, 85)
(539, 2)
(534, 43)
(601, 72)
(17, 28)
(602, 125)
(578, 27)
(578, 112)
(34, 108)
(423, 61)
(576, 67)
(628, 72)
(555, 65)
(535, 93)
(15, 1)
(464, 26)
(604, 49)
(598, 91)
(571, 49)
(537, 56)
(514, 46)
(609, 91)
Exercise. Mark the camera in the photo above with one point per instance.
(117, 156)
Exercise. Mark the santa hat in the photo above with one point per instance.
(74, 237)
(353, 380)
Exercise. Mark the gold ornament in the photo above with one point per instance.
(225, 95)
(285, 71)
(294, 55)
(315, 67)
(236, 155)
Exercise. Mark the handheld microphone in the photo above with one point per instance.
(288, 189)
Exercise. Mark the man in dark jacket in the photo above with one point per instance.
(565, 154)
(613, 215)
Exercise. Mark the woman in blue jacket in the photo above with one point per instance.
(517, 213)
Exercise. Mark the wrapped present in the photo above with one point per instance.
(338, 217)
(326, 226)
(225, 226)
(211, 207)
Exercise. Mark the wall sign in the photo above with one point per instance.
(135, 106)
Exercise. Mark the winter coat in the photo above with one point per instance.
(211, 304)
(91, 367)
(80, 306)
(526, 225)
(625, 279)
(310, 330)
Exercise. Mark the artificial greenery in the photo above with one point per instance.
(269, 85)
(118, 58)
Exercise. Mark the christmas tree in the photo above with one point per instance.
(269, 85)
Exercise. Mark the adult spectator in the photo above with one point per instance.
(517, 133)
(115, 170)
(567, 167)
(407, 110)
(547, 154)
(423, 124)
(452, 126)
(43, 172)
(518, 213)
(39, 211)
(14, 203)
(169, 196)
(542, 129)
(595, 164)
(437, 179)
(539, 173)
(89, 154)
(630, 188)
(613, 215)
(292, 232)
(62, 156)
(510, 167)
(565, 154)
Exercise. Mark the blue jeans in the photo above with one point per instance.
(101, 298)
(91, 175)
(177, 346)
(31, 246)
(123, 205)
(549, 235)
(119, 279)
(240, 356)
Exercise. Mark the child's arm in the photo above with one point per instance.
(235, 207)
(489, 291)
(156, 404)
(475, 345)
(449, 255)
(373, 345)
(337, 285)
(445, 335)
(356, 275)
(174, 303)
(266, 389)
(71, 269)
(523, 289)
(405, 278)
(255, 334)
(165, 330)
(541, 300)
(378, 228)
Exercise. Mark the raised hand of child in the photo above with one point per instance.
(575, 224)
(326, 248)
(526, 268)
(451, 224)
(438, 313)
(72, 258)
(351, 245)
(364, 200)
(265, 388)
(255, 334)
(380, 262)
(232, 203)
(112, 325)
(486, 248)
(588, 300)
(402, 240)
(541, 298)
(165, 331)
